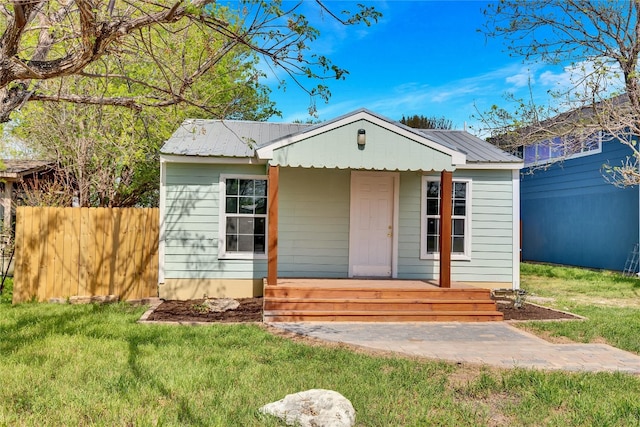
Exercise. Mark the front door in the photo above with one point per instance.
(372, 223)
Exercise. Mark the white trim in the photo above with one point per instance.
(162, 207)
(492, 166)
(266, 152)
(466, 256)
(172, 158)
(395, 221)
(222, 244)
(396, 225)
(515, 179)
(352, 209)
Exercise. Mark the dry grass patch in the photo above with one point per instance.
(479, 389)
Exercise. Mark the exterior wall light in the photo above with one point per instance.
(362, 138)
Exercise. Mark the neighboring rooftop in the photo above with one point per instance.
(12, 168)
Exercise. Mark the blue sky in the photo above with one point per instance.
(423, 57)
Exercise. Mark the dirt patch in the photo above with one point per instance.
(250, 310)
(533, 312)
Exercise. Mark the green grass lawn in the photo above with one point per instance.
(610, 301)
(93, 365)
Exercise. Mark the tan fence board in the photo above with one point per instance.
(58, 253)
(40, 229)
(119, 249)
(21, 270)
(35, 241)
(72, 228)
(136, 249)
(96, 232)
(152, 236)
(84, 284)
(48, 220)
(67, 252)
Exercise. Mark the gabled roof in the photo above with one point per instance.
(246, 139)
(365, 113)
(266, 151)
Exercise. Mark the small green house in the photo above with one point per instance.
(360, 196)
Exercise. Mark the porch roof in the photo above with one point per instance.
(388, 146)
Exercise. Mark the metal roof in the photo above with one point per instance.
(225, 138)
(476, 149)
(230, 138)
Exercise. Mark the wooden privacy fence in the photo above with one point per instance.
(67, 252)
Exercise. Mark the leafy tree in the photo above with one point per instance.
(109, 155)
(106, 136)
(423, 122)
(600, 40)
(45, 40)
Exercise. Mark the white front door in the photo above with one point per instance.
(372, 224)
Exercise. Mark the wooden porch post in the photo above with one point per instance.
(446, 189)
(272, 244)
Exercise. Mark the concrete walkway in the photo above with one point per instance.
(489, 343)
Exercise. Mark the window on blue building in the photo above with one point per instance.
(562, 148)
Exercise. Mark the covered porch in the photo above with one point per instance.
(377, 156)
(377, 295)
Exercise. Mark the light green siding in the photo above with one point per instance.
(313, 238)
(384, 150)
(491, 229)
(191, 223)
(313, 235)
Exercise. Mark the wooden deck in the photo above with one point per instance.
(376, 300)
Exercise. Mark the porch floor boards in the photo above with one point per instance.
(375, 300)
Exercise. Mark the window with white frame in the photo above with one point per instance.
(243, 216)
(562, 148)
(460, 219)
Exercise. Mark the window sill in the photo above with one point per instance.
(242, 256)
(454, 257)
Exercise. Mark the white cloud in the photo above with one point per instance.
(553, 80)
(522, 79)
(454, 100)
(576, 77)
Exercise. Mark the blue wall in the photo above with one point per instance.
(571, 215)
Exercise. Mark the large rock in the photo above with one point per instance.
(218, 305)
(313, 408)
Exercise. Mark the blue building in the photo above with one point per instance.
(570, 214)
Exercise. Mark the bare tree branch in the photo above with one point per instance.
(601, 40)
(45, 40)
